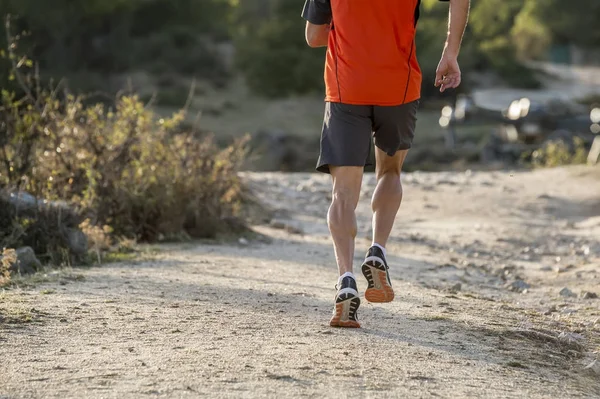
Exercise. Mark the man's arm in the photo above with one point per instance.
(318, 15)
(459, 15)
(448, 75)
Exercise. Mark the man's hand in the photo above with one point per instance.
(447, 75)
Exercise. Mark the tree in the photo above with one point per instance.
(271, 50)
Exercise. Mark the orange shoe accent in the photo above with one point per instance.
(382, 291)
(340, 318)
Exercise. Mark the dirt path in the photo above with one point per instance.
(250, 320)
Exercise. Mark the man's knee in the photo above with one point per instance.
(391, 169)
(345, 198)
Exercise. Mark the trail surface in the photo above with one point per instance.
(478, 261)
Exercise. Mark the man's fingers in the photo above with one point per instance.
(439, 78)
(456, 82)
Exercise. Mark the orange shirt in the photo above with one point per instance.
(371, 55)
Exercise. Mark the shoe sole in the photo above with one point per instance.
(379, 290)
(345, 313)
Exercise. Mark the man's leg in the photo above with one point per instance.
(345, 145)
(394, 132)
(387, 196)
(341, 217)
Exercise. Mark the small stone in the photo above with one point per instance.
(518, 286)
(269, 294)
(550, 311)
(589, 295)
(278, 224)
(243, 241)
(456, 287)
(294, 230)
(546, 268)
(567, 293)
(594, 366)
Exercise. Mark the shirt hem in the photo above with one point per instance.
(410, 99)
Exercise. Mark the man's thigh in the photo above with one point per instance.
(394, 127)
(346, 136)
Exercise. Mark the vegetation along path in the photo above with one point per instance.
(480, 262)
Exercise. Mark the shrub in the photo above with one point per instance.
(558, 152)
(272, 52)
(122, 166)
(127, 168)
(7, 258)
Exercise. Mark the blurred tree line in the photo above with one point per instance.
(179, 36)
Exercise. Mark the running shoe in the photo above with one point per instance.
(376, 271)
(346, 304)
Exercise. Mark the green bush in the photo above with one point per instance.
(272, 52)
(558, 153)
(121, 166)
(127, 167)
(501, 56)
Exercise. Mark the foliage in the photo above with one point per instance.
(8, 257)
(112, 36)
(558, 153)
(569, 22)
(121, 166)
(273, 54)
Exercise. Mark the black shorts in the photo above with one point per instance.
(348, 131)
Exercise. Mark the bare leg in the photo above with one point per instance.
(341, 217)
(387, 196)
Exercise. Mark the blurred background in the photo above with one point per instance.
(254, 74)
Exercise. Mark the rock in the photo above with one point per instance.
(567, 293)
(585, 250)
(593, 366)
(456, 287)
(588, 295)
(23, 199)
(518, 286)
(281, 225)
(78, 242)
(27, 262)
(277, 224)
(550, 311)
(243, 241)
(571, 338)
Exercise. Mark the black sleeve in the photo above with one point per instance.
(317, 12)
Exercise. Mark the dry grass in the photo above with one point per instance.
(7, 259)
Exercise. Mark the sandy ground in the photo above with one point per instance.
(478, 261)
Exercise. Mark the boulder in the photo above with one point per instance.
(27, 262)
(78, 242)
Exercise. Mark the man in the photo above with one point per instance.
(373, 83)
